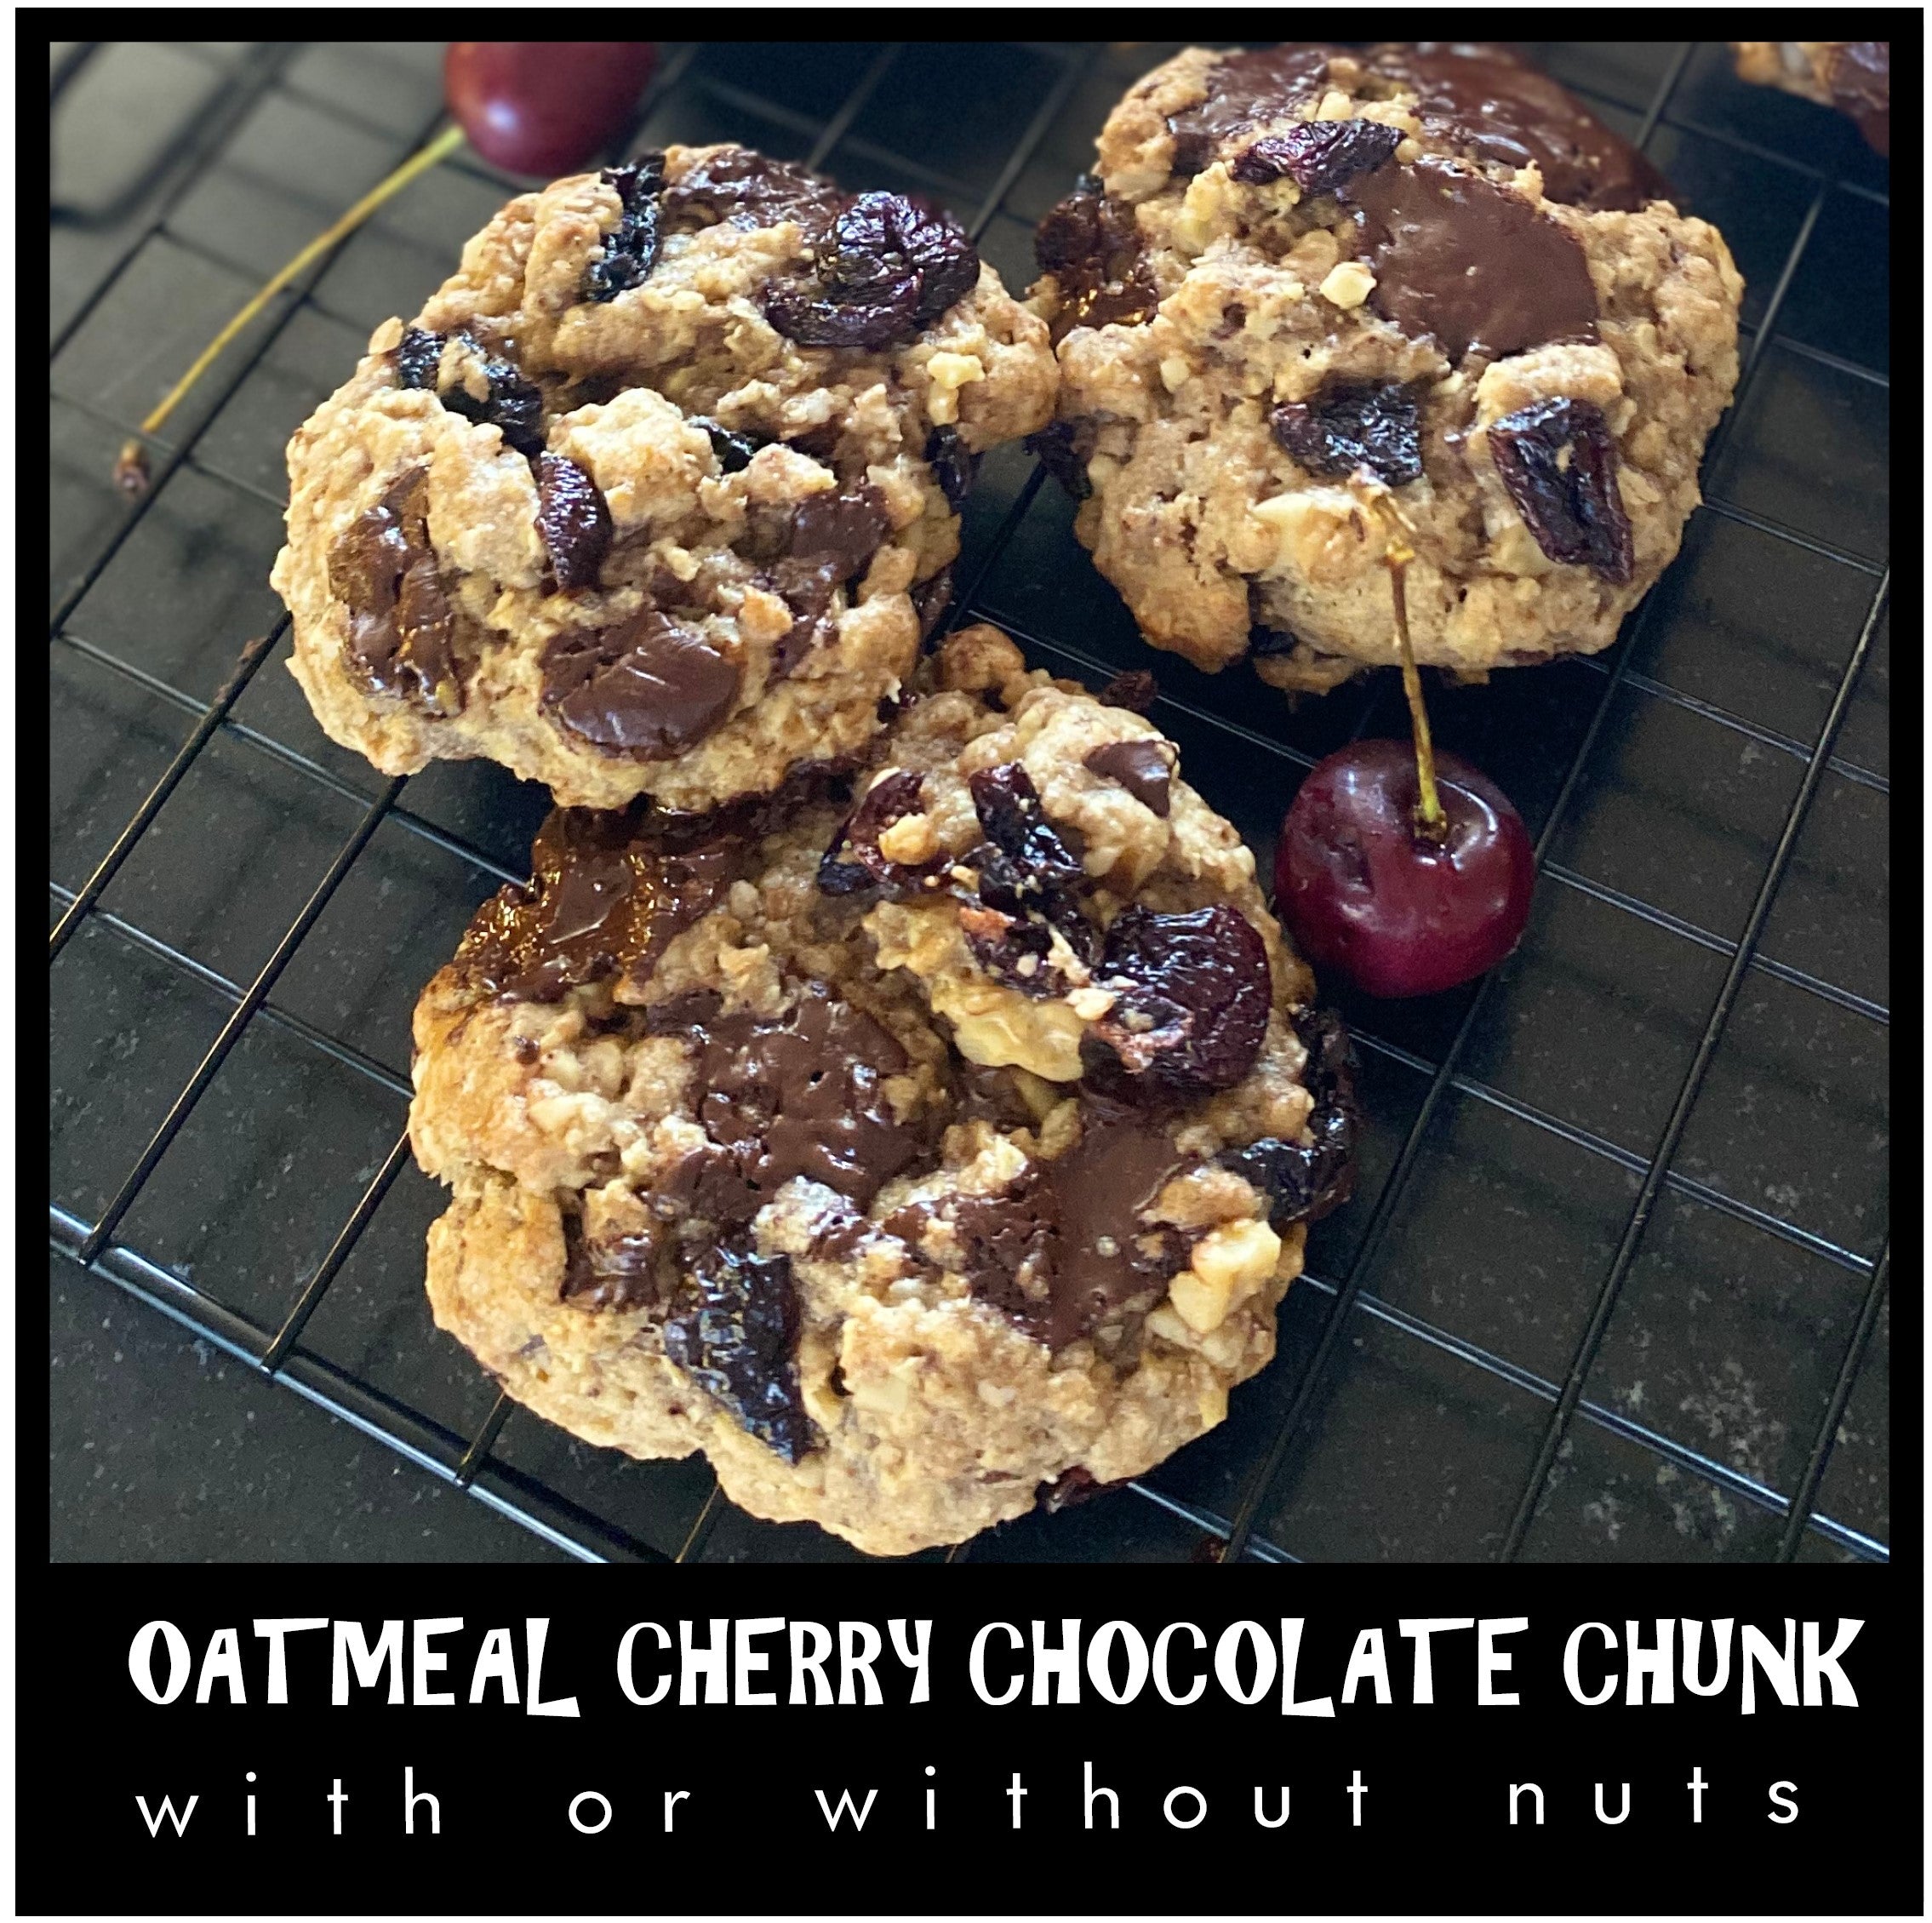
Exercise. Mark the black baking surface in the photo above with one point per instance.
(1729, 1317)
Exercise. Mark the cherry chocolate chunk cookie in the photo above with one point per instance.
(1309, 286)
(1853, 76)
(913, 1145)
(656, 495)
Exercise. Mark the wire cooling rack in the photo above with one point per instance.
(1613, 1282)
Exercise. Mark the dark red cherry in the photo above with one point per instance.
(543, 106)
(1368, 897)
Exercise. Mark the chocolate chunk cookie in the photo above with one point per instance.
(1314, 295)
(656, 495)
(906, 1142)
(1853, 76)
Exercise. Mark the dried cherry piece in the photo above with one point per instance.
(630, 249)
(734, 450)
(1265, 643)
(1195, 993)
(416, 356)
(1306, 1182)
(513, 403)
(1010, 810)
(1063, 447)
(1011, 949)
(733, 1330)
(953, 464)
(1091, 246)
(1136, 691)
(1347, 424)
(573, 521)
(1572, 506)
(890, 267)
(853, 861)
(1318, 156)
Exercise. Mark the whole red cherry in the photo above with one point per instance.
(543, 106)
(1369, 896)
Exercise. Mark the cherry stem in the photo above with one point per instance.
(130, 468)
(1431, 822)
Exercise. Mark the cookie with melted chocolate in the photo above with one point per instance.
(658, 495)
(1304, 284)
(904, 1142)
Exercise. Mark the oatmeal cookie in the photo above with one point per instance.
(656, 495)
(909, 1149)
(1854, 76)
(1310, 286)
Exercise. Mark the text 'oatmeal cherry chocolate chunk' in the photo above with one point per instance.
(630, 249)
(1351, 424)
(889, 266)
(1559, 461)
(1194, 993)
(733, 1330)
(383, 570)
(573, 521)
(646, 688)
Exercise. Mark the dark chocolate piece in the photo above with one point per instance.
(402, 630)
(1144, 768)
(647, 688)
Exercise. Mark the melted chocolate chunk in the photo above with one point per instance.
(382, 568)
(1062, 1250)
(1145, 769)
(1136, 691)
(1063, 447)
(890, 267)
(733, 1330)
(619, 1274)
(831, 542)
(1346, 425)
(630, 248)
(1195, 993)
(953, 464)
(1473, 264)
(647, 688)
(573, 521)
(512, 403)
(844, 528)
(1091, 246)
(799, 1096)
(608, 892)
(1484, 101)
(1318, 156)
(1559, 461)
(853, 862)
(1106, 1255)
(734, 450)
(416, 357)
(744, 188)
(1243, 88)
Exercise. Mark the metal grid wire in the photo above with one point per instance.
(1405, 1416)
